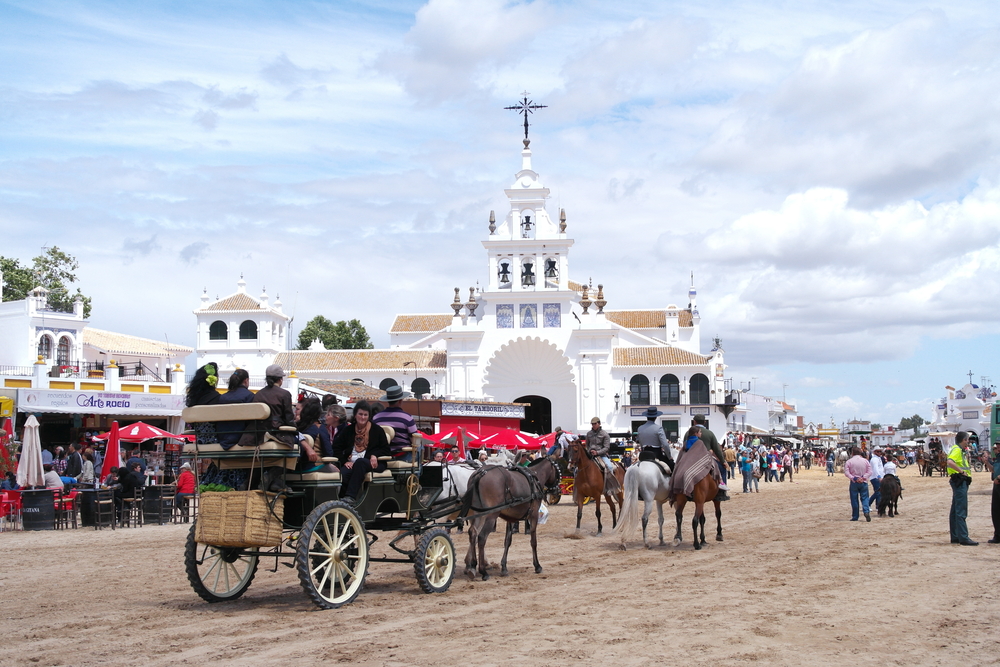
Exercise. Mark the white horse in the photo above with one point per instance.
(645, 479)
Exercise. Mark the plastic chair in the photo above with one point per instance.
(10, 511)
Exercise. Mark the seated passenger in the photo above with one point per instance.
(308, 424)
(185, 490)
(201, 391)
(52, 479)
(229, 433)
(358, 447)
(282, 414)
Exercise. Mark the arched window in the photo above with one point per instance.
(670, 390)
(62, 351)
(45, 347)
(386, 383)
(420, 387)
(218, 331)
(248, 330)
(699, 389)
(638, 388)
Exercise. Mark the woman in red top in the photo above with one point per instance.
(185, 489)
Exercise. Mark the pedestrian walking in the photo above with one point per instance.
(859, 470)
(995, 504)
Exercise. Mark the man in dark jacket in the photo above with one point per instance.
(229, 433)
(74, 463)
(280, 402)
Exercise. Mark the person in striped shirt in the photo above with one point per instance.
(400, 420)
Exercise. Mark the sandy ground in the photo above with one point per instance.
(794, 583)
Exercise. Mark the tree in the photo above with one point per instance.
(340, 336)
(54, 270)
(914, 422)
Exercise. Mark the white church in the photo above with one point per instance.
(532, 336)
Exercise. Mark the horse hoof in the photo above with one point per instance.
(676, 543)
(486, 577)
(621, 547)
(718, 538)
(649, 546)
(504, 573)
(538, 570)
(697, 546)
(600, 535)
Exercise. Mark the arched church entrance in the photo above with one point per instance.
(537, 415)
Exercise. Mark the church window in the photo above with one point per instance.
(552, 312)
(699, 389)
(45, 347)
(670, 390)
(218, 331)
(505, 316)
(420, 387)
(529, 316)
(638, 388)
(386, 383)
(62, 351)
(248, 330)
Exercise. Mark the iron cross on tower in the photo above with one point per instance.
(524, 107)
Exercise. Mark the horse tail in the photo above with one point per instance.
(629, 516)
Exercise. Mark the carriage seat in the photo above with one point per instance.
(232, 412)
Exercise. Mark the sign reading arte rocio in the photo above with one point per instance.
(99, 402)
(482, 410)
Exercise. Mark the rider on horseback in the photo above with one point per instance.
(712, 443)
(653, 440)
(598, 444)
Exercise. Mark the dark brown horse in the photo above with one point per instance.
(704, 491)
(499, 487)
(588, 482)
(889, 495)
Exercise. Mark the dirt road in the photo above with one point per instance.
(794, 583)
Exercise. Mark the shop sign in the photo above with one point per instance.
(482, 410)
(99, 402)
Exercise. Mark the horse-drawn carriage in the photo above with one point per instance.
(329, 541)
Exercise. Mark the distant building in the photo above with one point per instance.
(966, 409)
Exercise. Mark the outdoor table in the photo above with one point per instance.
(38, 509)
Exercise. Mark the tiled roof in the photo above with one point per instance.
(638, 319)
(234, 302)
(576, 287)
(658, 355)
(347, 388)
(116, 343)
(420, 323)
(360, 360)
(646, 319)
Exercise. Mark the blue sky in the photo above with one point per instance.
(829, 170)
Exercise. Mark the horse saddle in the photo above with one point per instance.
(656, 457)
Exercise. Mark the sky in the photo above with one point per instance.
(830, 171)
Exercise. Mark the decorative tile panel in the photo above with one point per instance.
(529, 316)
(505, 316)
(552, 312)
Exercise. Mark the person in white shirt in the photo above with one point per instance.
(52, 479)
(878, 472)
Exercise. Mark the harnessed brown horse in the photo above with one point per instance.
(705, 490)
(502, 488)
(588, 482)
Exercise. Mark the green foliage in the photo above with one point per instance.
(54, 269)
(876, 427)
(914, 422)
(214, 488)
(343, 335)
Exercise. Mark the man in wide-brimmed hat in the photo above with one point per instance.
(653, 440)
(400, 420)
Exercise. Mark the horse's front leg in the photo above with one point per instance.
(694, 526)
(534, 540)
(701, 524)
(611, 504)
(489, 525)
(645, 520)
(679, 515)
(597, 510)
(470, 557)
(579, 512)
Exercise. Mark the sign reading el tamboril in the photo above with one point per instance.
(99, 402)
(482, 410)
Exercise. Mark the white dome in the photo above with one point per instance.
(528, 361)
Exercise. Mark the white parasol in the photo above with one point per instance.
(29, 468)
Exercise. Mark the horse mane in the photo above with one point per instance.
(536, 462)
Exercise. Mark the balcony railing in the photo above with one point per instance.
(19, 371)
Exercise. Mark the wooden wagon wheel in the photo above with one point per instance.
(218, 574)
(332, 555)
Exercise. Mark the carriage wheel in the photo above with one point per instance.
(218, 574)
(553, 498)
(977, 465)
(902, 464)
(435, 561)
(332, 555)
